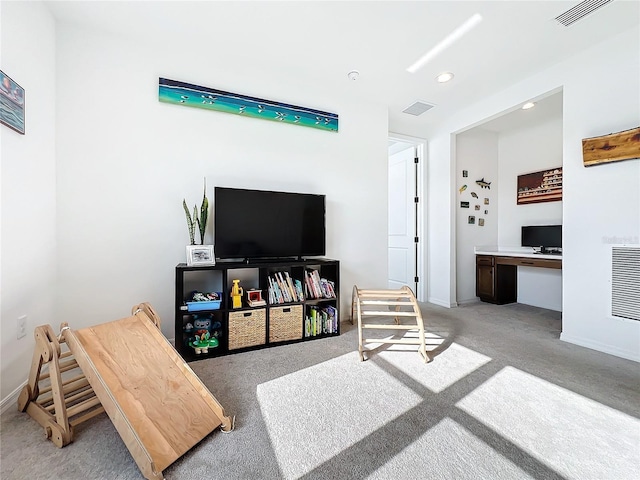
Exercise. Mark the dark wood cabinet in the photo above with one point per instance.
(485, 272)
(495, 282)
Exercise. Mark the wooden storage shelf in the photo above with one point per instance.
(249, 328)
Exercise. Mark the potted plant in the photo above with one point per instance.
(195, 220)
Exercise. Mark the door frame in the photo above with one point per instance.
(420, 145)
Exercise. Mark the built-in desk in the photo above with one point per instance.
(497, 274)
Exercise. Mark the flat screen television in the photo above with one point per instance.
(254, 224)
(546, 237)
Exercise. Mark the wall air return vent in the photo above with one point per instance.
(580, 11)
(418, 108)
(625, 282)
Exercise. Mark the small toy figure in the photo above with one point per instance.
(206, 333)
(236, 294)
(201, 325)
(202, 343)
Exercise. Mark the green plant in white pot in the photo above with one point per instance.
(195, 220)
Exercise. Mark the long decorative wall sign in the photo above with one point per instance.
(544, 186)
(180, 93)
(614, 147)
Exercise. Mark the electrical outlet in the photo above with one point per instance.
(22, 326)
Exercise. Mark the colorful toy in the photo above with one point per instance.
(204, 333)
(202, 343)
(236, 294)
(254, 298)
(202, 325)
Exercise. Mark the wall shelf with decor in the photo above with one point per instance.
(278, 302)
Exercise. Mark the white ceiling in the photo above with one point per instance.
(321, 41)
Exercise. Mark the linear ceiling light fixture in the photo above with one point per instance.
(446, 42)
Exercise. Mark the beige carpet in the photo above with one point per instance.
(502, 399)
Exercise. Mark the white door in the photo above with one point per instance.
(402, 218)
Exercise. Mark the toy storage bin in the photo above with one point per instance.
(285, 323)
(247, 328)
(200, 306)
(206, 305)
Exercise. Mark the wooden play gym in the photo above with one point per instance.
(129, 370)
(373, 309)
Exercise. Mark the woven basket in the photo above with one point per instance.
(285, 323)
(247, 328)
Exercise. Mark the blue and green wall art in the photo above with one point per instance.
(180, 93)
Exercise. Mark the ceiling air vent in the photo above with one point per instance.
(580, 11)
(418, 108)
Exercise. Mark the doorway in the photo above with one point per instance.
(406, 207)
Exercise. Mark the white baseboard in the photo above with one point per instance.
(11, 399)
(442, 303)
(469, 301)
(600, 347)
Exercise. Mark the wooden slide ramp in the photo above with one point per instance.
(158, 405)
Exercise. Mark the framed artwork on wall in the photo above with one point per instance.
(11, 103)
(543, 186)
(190, 95)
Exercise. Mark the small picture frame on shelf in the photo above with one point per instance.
(200, 255)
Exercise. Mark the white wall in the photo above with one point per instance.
(28, 187)
(599, 202)
(525, 151)
(440, 245)
(477, 153)
(126, 161)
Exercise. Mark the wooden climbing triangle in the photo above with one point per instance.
(129, 370)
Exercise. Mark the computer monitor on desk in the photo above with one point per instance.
(548, 238)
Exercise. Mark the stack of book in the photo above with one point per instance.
(317, 287)
(319, 321)
(284, 289)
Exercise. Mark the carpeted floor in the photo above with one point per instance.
(503, 398)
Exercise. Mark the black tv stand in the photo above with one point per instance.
(253, 326)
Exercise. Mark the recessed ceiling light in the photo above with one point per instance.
(528, 105)
(444, 43)
(444, 77)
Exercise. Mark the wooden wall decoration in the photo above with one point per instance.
(614, 147)
(544, 186)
